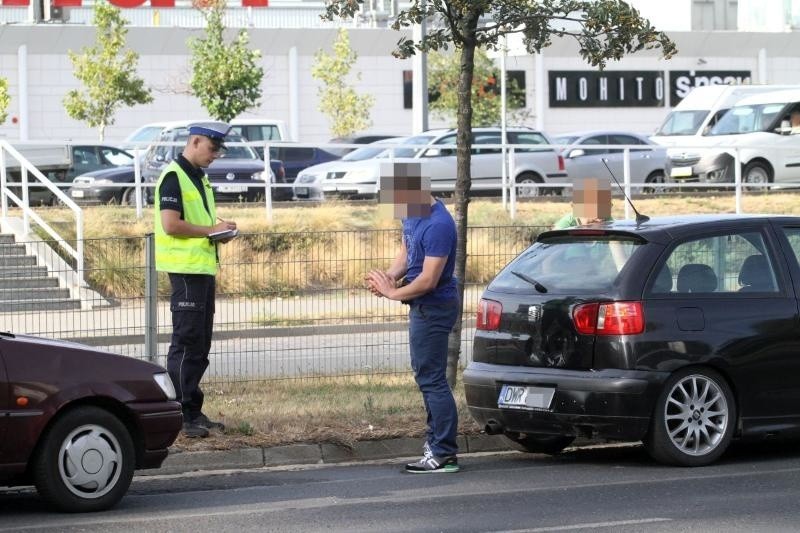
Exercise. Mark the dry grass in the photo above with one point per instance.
(339, 410)
(300, 243)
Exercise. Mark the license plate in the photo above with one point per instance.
(76, 194)
(521, 397)
(681, 172)
(301, 191)
(232, 188)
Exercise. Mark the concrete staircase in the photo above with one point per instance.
(26, 286)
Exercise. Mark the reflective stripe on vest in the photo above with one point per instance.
(186, 255)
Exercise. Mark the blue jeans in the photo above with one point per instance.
(429, 327)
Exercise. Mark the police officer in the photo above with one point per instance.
(185, 215)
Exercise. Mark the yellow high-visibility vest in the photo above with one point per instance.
(186, 255)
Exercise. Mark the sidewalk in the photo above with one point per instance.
(179, 462)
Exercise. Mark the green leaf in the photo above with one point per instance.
(347, 111)
(107, 72)
(226, 78)
(5, 100)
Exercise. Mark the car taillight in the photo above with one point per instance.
(489, 313)
(561, 162)
(609, 318)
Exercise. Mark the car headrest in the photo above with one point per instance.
(755, 274)
(696, 277)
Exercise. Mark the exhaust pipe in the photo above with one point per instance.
(493, 427)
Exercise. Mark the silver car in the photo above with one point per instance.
(308, 185)
(535, 167)
(647, 159)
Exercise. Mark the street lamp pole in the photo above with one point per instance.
(420, 81)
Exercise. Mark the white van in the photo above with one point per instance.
(260, 129)
(759, 127)
(700, 110)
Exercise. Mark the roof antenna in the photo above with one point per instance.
(640, 218)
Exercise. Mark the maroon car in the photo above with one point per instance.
(76, 421)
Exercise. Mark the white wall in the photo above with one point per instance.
(164, 66)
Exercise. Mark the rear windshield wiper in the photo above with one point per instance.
(524, 277)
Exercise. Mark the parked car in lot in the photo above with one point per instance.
(260, 129)
(533, 166)
(359, 138)
(80, 158)
(759, 127)
(236, 176)
(678, 331)
(647, 160)
(142, 136)
(75, 421)
(298, 158)
(107, 186)
(308, 184)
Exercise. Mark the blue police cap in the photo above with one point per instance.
(213, 130)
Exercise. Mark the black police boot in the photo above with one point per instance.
(192, 430)
(203, 421)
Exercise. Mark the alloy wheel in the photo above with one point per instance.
(696, 415)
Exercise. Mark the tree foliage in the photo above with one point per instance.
(443, 72)
(107, 72)
(604, 30)
(347, 111)
(225, 77)
(5, 100)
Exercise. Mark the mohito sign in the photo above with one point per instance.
(123, 3)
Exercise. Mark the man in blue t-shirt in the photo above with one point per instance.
(421, 276)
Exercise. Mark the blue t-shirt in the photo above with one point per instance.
(432, 236)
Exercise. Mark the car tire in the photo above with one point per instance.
(128, 197)
(655, 177)
(694, 419)
(757, 172)
(105, 469)
(527, 185)
(538, 443)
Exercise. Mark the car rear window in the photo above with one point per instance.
(589, 264)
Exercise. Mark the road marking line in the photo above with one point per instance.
(591, 525)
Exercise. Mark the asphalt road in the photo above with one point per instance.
(619, 489)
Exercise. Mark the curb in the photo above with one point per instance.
(300, 454)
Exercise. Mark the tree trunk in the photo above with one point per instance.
(463, 184)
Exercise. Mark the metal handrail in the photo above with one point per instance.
(28, 214)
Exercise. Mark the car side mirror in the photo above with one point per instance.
(433, 152)
(578, 152)
(785, 127)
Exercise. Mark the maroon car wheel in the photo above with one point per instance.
(85, 461)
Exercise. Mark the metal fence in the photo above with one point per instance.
(289, 305)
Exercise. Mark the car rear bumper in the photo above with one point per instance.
(612, 404)
(160, 424)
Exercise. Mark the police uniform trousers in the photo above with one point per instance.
(192, 307)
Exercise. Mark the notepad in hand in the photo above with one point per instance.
(223, 235)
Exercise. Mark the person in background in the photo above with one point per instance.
(794, 121)
(185, 215)
(591, 204)
(425, 263)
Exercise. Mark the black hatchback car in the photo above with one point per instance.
(682, 332)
